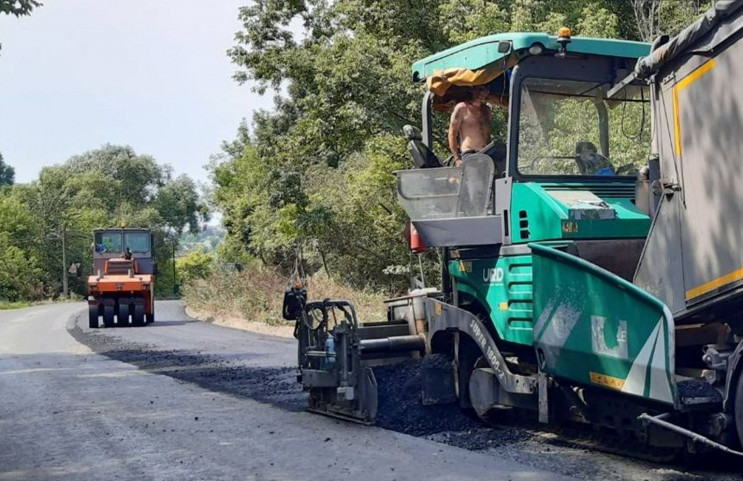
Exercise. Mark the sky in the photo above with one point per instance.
(152, 74)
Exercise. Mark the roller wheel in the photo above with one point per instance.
(492, 415)
(123, 318)
(108, 316)
(138, 315)
(738, 408)
(93, 316)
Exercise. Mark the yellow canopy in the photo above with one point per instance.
(441, 80)
(451, 85)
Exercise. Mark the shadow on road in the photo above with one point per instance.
(273, 385)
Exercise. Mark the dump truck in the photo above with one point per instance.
(610, 298)
(122, 285)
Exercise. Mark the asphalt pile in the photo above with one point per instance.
(401, 409)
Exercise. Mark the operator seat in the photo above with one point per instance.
(423, 157)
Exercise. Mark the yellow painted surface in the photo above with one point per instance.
(714, 284)
(685, 82)
(607, 381)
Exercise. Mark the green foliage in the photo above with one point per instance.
(357, 224)
(166, 282)
(125, 177)
(19, 275)
(5, 305)
(208, 240)
(18, 7)
(196, 264)
(658, 17)
(231, 251)
(471, 19)
(16, 219)
(310, 187)
(7, 173)
(100, 188)
(178, 203)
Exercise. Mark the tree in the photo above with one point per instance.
(16, 220)
(310, 185)
(658, 17)
(19, 273)
(7, 173)
(52, 218)
(18, 7)
(135, 177)
(179, 205)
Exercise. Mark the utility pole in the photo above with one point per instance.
(175, 281)
(65, 287)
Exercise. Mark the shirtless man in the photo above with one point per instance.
(469, 128)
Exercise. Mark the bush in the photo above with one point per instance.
(256, 294)
(20, 276)
(196, 264)
(165, 286)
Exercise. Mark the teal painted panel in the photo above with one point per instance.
(537, 216)
(503, 286)
(483, 51)
(595, 328)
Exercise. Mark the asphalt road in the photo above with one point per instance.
(182, 400)
(67, 412)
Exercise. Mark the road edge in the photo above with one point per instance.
(257, 327)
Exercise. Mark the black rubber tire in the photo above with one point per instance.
(122, 319)
(738, 408)
(149, 318)
(93, 316)
(138, 315)
(108, 315)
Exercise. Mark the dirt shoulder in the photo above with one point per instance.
(237, 322)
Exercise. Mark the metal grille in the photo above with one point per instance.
(600, 190)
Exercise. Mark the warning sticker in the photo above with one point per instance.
(607, 381)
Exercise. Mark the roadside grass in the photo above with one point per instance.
(257, 294)
(7, 305)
